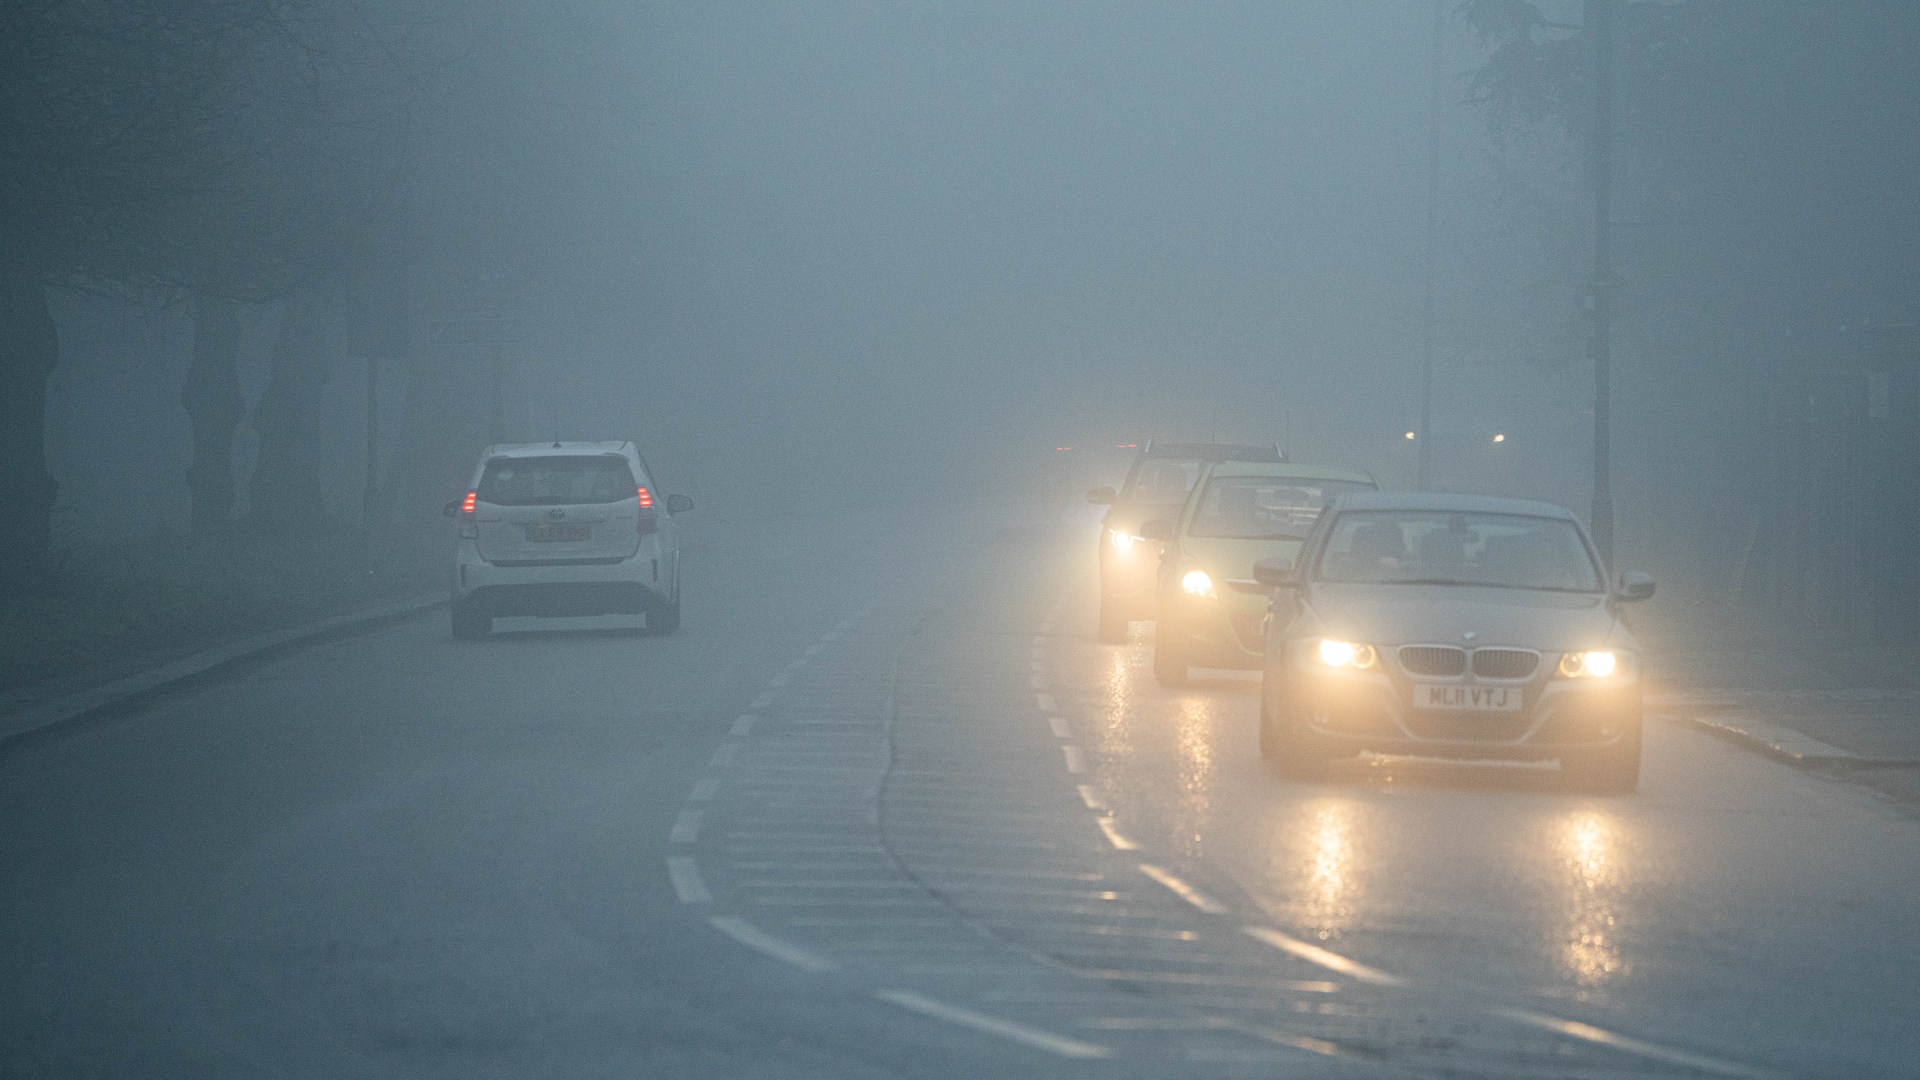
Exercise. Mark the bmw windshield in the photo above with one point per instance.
(1415, 547)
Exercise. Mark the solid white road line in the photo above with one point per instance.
(704, 790)
(1059, 726)
(1183, 890)
(685, 876)
(1326, 958)
(743, 726)
(1574, 1029)
(723, 755)
(1076, 761)
(686, 827)
(1019, 1033)
(753, 937)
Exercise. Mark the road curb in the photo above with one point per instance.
(205, 666)
(1792, 747)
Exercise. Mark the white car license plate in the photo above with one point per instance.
(1468, 698)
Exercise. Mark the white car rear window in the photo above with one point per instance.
(557, 481)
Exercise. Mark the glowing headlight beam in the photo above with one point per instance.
(1123, 542)
(1345, 654)
(1593, 664)
(1197, 583)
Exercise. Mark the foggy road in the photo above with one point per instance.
(884, 808)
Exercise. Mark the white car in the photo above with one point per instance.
(565, 528)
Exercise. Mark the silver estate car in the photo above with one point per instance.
(1453, 626)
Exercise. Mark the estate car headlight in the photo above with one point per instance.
(1346, 654)
(1197, 583)
(1123, 542)
(1591, 664)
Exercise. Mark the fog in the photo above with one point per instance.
(828, 253)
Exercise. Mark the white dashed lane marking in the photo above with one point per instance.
(1626, 1044)
(1183, 890)
(1076, 761)
(1058, 724)
(755, 938)
(684, 874)
(1326, 958)
(686, 827)
(1119, 841)
(1005, 1029)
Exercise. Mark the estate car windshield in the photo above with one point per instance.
(1423, 547)
(556, 480)
(1161, 482)
(1264, 507)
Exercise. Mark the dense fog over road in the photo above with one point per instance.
(924, 539)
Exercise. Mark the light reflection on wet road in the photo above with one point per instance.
(943, 833)
(1731, 903)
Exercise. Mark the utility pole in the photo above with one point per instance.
(1600, 19)
(1424, 444)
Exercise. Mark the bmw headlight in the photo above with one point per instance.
(1346, 654)
(1197, 583)
(1592, 664)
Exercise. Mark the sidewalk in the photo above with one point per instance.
(1816, 703)
(45, 707)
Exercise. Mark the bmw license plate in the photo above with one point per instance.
(1452, 698)
(548, 532)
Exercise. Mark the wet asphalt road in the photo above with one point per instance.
(883, 808)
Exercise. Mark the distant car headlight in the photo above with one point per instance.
(1346, 654)
(1197, 583)
(1592, 664)
(1123, 542)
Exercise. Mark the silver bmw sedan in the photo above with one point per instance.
(1456, 626)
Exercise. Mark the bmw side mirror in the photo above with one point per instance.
(1157, 529)
(1276, 573)
(1634, 586)
(678, 504)
(1102, 496)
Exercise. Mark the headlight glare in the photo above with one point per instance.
(1122, 542)
(1345, 654)
(1592, 664)
(1197, 583)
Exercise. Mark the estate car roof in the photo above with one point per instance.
(1446, 502)
(1290, 469)
(557, 449)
